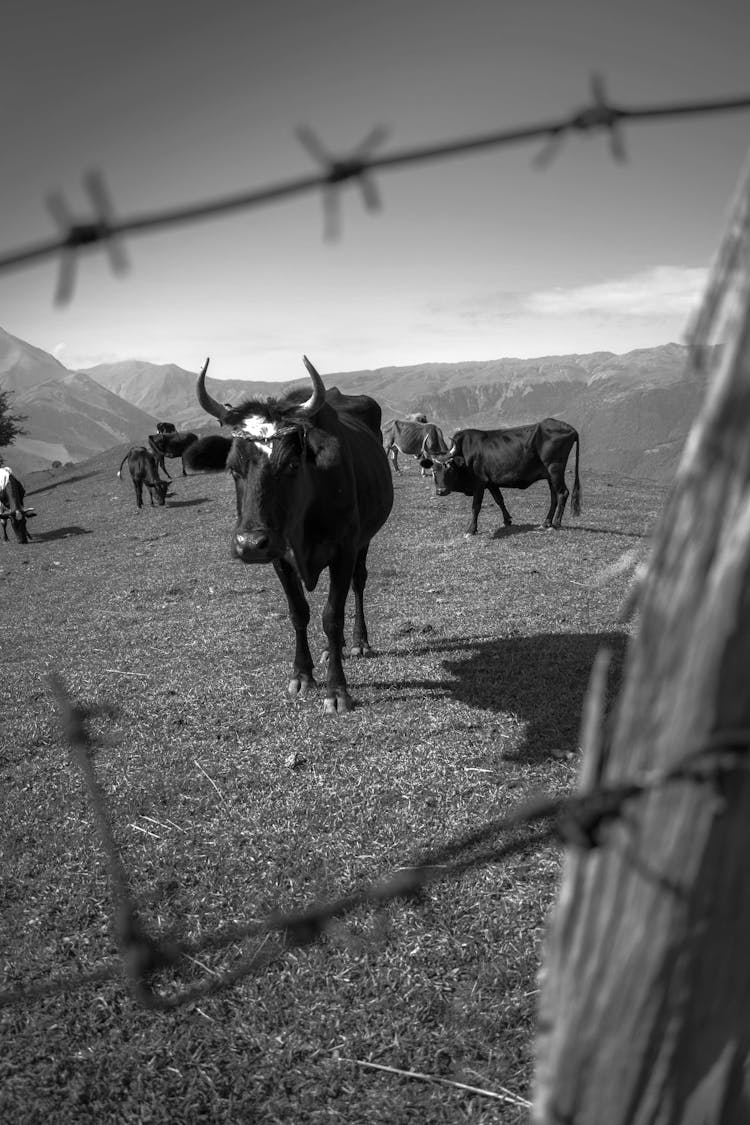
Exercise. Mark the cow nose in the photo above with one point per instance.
(251, 544)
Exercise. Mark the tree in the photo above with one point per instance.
(9, 423)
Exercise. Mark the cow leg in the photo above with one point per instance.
(337, 696)
(160, 465)
(393, 452)
(138, 486)
(559, 491)
(476, 507)
(360, 643)
(5, 529)
(183, 467)
(299, 614)
(497, 496)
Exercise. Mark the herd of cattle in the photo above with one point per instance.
(313, 486)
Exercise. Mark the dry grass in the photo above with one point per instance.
(471, 705)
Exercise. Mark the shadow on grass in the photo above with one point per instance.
(541, 679)
(188, 503)
(606, 531)
(65, 480)
(59, 533)
(503, 532)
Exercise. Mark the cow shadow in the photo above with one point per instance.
(504, 531)
(542, 680)
(188, 503)
(606, 531)
(58, 533)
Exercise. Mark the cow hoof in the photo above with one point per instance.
(360, 650)
(338, 704)
(301, 686)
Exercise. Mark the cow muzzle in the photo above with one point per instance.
(257, 546)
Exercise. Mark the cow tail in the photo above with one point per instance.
(575, 499)
(119, 471)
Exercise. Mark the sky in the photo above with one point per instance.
(478, 257)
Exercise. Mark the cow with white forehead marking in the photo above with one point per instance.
(313, 487)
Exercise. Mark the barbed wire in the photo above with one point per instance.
(577, 820)
(356, 167)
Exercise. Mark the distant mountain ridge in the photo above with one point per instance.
(633, 411)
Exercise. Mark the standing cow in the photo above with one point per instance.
(171, 445)
(143, 470)
(415, 439)
(12, 508)
(512, 458)
(312, 488)
(166, 428)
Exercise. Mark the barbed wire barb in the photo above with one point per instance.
(338, 170)
(75, 235)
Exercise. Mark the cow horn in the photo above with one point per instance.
(318, 397)
(209, 404)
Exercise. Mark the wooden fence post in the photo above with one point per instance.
(645, 1005)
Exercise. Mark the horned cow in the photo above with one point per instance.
(312, 488)
(511, 458)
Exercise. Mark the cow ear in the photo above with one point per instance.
(325, 449)
(208, 454)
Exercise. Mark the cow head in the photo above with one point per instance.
(278, 458)
(447, 472)
(160, 489)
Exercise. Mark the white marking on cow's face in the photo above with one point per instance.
(255, 426)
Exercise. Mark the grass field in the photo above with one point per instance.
(471, 705)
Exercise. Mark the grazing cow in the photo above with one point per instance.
(512, 458)
(143, 470)
(12, 508)
(415, 439)
(171, 445)
(416, 417)
(312, 488)
(166, 428)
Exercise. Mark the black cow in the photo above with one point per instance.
(416, 439)
(12, 507)
(171, 445)
(166, 428)
(143, 470)
(312, 488)
(512, 458)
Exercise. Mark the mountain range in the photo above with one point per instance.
(633, 411)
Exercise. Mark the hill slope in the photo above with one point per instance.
(632, 411)
(23, 366)
(70, 419)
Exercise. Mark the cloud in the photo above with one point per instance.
(660, 291)
(58, 350)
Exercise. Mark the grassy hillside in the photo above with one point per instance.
(71, 419)
(471, 704)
